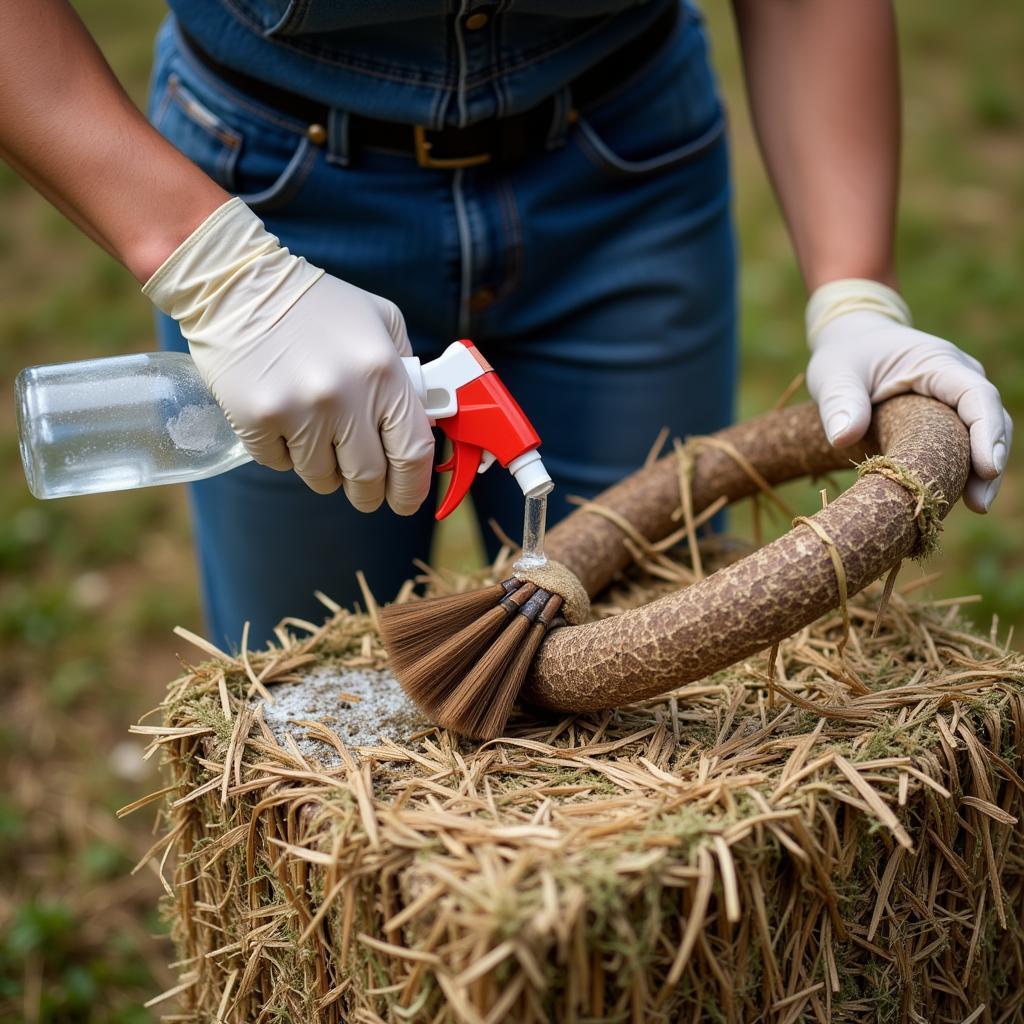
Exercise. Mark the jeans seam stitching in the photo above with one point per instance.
(287, 184)
(513, 226)
(293, 16)
(319, 54)
(161, 110)
(232, 95)
(600, 153)
(179, 94)
(395, 74)
(463, 229)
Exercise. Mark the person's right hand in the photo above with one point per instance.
(306, 367)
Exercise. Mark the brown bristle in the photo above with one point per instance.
(465, 706)
(510, 684)
(480, 704)
(410, 631)
(430, 678)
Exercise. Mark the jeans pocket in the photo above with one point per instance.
(269, 180)
(252, 152)
(666, 114)
(274, 17)
(609, 159)
(198, 132)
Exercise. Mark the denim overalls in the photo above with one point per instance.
(598, 275)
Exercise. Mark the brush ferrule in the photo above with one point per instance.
(550, 610)
(518, 598)
(511, 584)
(535, 605)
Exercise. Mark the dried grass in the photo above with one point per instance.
(811, 836)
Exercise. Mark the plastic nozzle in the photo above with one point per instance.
(530, 474)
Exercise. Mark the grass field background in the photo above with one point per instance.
(91, 588)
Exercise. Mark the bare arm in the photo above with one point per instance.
(295, 357)
(68, 128)
(823, 82)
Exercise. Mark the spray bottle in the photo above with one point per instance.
(138, 420)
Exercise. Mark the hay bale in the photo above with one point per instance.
(833, 841)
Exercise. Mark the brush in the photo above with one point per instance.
(417, 628)
(436, 665)
(481, 703)
(463, 658)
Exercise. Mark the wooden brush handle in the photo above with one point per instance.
(770, 594)
(781, 445)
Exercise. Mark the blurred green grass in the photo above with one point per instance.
(90, 589)
(960, 252)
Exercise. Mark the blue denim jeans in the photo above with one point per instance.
(598, 277)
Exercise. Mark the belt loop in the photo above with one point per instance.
(560, 120)
(337, 137)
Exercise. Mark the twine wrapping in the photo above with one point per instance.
(698, 441)
(928, 512)
(840, 569)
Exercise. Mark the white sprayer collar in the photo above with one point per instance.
(531, 475)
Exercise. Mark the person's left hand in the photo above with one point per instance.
(863, 357)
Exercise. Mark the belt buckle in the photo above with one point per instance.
(422, 146)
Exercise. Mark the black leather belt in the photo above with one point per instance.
(498, 140)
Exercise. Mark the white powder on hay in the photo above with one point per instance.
(381, 712)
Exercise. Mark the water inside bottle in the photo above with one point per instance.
(114, 424)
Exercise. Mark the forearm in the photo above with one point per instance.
(68, 128)
(823, 82)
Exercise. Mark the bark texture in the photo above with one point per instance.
(765, 597)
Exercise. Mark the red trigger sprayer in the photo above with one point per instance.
(136, 420)
(461, 391)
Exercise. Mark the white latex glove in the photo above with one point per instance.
(864, 351)
(306, 367)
